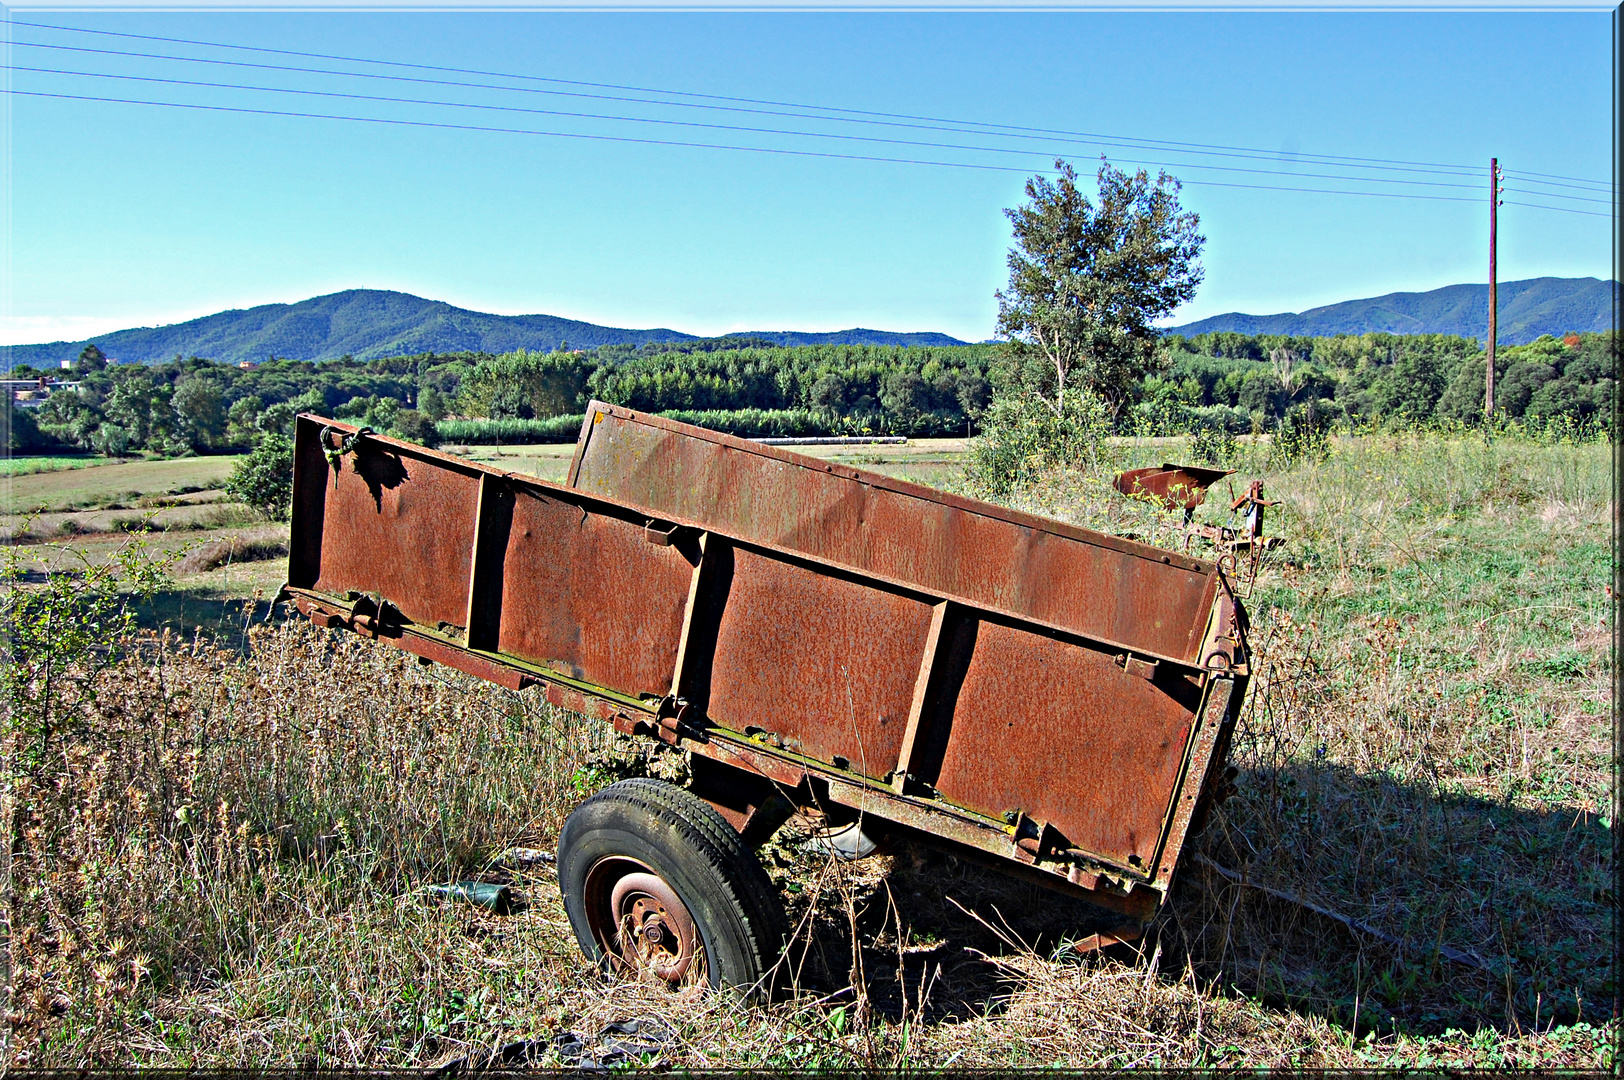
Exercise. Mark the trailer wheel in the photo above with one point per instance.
(657, 885)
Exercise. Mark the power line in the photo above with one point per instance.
(1558, 209)
(1129, 143)
(1577, 179)
(890, 120)
(679, 143)
(696, 124)
(1172, 145)
(1525, 178)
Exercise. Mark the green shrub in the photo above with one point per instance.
(61, 634)
(1023, 438)
(412, 426)
(1214, 446)
(264, 478)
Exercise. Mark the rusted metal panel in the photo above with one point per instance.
(1088, 582)
(1174, 486)
(1206, 757)
(1060, 732)
(587, 594)
(1018, 686)
(825, 664)
(392, 522)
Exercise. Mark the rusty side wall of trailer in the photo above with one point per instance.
(1091, 583)
(904, 678)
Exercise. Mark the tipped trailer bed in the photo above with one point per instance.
(1050, 699)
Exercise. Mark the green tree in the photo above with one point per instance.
(201, 410)
(277, 417)
(264, 478)
(828, 394)
(524, 382)
(1410, 387)
(431, 403)
(18, 431)
(1522, 381)
(110, 440)
(1086, 281)
(91, 359)
(130, 406)
(903, 394)
(242, 420)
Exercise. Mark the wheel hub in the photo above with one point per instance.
(641, 923)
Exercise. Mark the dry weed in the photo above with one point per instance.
(221, 864)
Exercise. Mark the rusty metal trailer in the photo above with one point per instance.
(1051, 699)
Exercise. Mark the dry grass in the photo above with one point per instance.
(222, 863)
(234, 549)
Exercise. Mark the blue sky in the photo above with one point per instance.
(126, 215)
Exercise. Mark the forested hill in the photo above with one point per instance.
(369, 324)
(1528, 309)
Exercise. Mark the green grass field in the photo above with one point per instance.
(26, 465)
(1426, 750)
(127, 483)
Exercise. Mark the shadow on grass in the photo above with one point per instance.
(935, 899)
(1527, 891)
(211, 612)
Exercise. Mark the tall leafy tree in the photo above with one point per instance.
(201, 410)
(1087, 279)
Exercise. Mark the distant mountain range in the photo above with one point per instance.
(372, 323)
(1527, 310)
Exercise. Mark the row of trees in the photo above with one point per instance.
(1089, 277)
(1230, 381)
(1383, 379)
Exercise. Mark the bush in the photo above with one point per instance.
(20, 431)
(264, 478)
(110, 440)
(412, 426)
(1023, 438)
(62, 634)
(1214, 446)
(1301, 437)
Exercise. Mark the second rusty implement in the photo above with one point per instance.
(1174, 486)
(906, 662)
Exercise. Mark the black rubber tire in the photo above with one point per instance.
(735, 907)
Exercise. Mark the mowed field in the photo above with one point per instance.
(925, 461)
(61, 511)
(1416, 868)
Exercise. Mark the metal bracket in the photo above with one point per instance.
(1133, 665)
(659, 533)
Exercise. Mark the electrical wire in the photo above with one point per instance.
(1576, 179)
(993, 127)
(1558, 209)
(595, 137)
(1588, 185)
(1547, 183)
(1125, 142)
(834, 114)
(714, 127)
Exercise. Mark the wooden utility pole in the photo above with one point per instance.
(1495, 191)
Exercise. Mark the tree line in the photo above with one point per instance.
(1220, 381)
